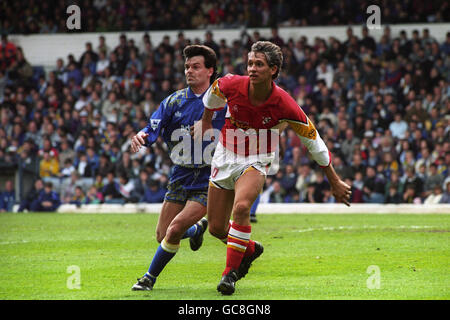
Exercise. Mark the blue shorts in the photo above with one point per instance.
(188, 184)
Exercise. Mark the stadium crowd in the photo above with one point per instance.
(382, 108)
(141, 15)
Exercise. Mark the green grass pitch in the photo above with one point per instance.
(306, 257)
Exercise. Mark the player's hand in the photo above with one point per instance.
(138, 141)
(199, 128)
(341, 191)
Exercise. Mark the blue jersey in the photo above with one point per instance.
(172, 121)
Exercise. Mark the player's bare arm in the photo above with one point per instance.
(340, 190)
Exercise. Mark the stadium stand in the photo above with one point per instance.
(140, 15)
(382, 106)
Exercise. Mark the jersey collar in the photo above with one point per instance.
(243, 89)
(191, 95)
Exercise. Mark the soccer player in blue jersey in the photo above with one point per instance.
(184, 206)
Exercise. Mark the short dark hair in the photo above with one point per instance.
(272, 52)
(207, 53)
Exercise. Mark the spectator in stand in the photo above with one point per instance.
(277, 193)
(357, 164)
(124, 166)
(8, 51)
(389, 165)
(111, 190)
(7, 197)
(89, 52)
(432, 180)
(140, 186)
(32, 196)
(394, 182)
(47, 201)
(48, 147)
(310, 191)
(320, 187)
(373, 187)
(68, 185)
(93, 161)
(67, 169)
(74, 73)
(210, 42)
(410, 195)
(398, 127)
(110, 107)
(66, 152)
(435, 196)
(357, 194)
(78, 197)
(446, 196)
(154, 194)
(49, 166)
(341, 169)
(393, 196)
(425, 159)
(410, 179)
(93, 196)
(348, 145)
(20, 69)
(84, 168)
(289, 180)
(275, 37)
(105, 166)
(126, 186)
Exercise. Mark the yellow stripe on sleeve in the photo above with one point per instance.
(307, 130)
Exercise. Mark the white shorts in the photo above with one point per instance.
(227, 167)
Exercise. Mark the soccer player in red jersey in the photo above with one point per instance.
(256, 107)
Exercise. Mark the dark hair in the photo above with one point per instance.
(207, 53)
(272, 52)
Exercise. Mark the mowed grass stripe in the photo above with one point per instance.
(305, 257)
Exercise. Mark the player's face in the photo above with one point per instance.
(197, 75)
(258, 69)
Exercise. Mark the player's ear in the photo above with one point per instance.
(273, 70)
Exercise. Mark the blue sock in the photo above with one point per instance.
(163, 255)
(192, 231)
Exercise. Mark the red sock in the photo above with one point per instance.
(238, 239)
(250, 246)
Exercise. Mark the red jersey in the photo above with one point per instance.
(246, 121)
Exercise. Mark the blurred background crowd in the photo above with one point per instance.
(382, 107)
(141, 15)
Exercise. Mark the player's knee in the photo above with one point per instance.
(174, 232)
(217, 231)
(242, 208)
(160, 236)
